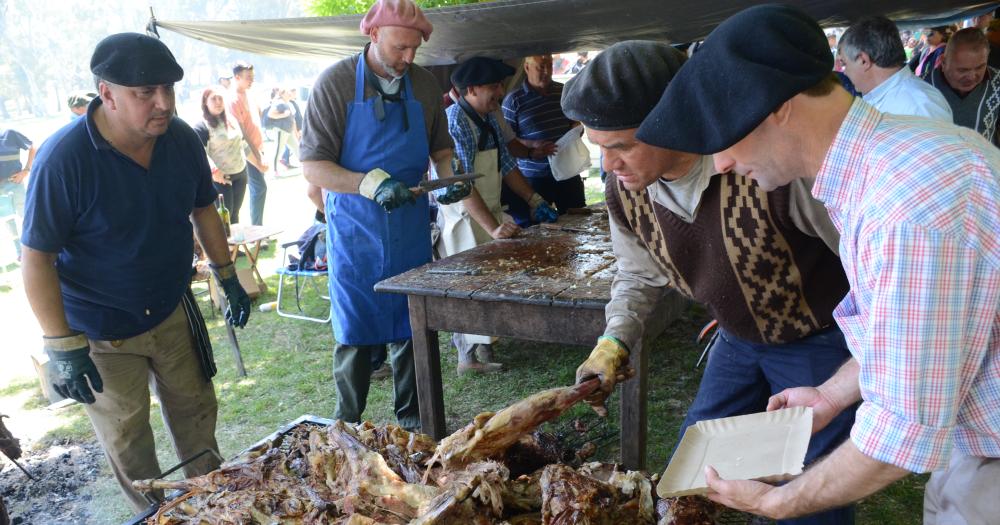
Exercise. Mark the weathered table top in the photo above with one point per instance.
(569, 263)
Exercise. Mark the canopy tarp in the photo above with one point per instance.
(517, 28)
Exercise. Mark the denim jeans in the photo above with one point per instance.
(258, 194)
(740, 376)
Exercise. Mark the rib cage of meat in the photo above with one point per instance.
(367, 475)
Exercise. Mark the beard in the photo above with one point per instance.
(389, 70)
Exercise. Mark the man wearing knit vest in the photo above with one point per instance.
(764, 264)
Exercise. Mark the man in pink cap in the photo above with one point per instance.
(373, 121)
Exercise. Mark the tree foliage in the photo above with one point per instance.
(353, 7)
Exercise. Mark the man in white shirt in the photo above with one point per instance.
(872, 56)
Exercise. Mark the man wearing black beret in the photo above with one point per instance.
(107, 262)
(765, 265)
(917, 203)
(471, 219)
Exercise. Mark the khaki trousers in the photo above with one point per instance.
(164, 359)
(965, 493)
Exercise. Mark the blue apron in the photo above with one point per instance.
(367, 244)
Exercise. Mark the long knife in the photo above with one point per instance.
(434, 184)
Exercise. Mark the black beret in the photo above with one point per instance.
(133, 59)
(747, 67)
(622, 85)
(479, 71)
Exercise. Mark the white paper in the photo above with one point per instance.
(572, 155)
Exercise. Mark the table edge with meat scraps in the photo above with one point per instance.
(549, 284)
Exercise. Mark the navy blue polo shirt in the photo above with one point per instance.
(121, 233)
(534, 116)
(11, 144)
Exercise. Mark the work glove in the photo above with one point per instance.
(607, 362)
(71, 367)
(389, 193)
(541, 211)
(455, 193)
(238, 307)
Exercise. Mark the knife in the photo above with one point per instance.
(434, 184)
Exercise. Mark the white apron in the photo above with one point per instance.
(459, 231)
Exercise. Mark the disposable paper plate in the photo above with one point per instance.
(769, 446)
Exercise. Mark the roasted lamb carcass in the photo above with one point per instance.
(569, 497)
(687, 510)
(490, 435)
(475, 495)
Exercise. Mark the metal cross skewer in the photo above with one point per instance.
(26, 473)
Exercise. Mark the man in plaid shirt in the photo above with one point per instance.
(917, 203)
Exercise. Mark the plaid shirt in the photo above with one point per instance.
(917, 203)
(466, 137)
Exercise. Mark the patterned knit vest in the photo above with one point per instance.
(742, 257)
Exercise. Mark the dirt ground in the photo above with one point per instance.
(56, 496)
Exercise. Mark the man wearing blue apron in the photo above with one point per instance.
(373, 122)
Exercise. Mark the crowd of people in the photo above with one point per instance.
(845, 244)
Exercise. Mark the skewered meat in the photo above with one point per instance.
(490, 435)
(533, 452)
(569, 497)
(687, 510)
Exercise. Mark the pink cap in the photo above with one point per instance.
(402, 13)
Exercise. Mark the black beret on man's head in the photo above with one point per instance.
(479, 71)
(748, 66)
(134, 59)
(621, 85)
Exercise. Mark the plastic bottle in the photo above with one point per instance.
(268, 307)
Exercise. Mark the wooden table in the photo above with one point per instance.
(547, 285)
(247, 239)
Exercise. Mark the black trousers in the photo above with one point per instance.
(564, 194)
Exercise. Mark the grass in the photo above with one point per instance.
(289, 374)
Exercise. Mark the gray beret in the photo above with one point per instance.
(748, 66)
(134, 59)
(621, 85)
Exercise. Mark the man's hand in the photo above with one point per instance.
(455, 193)
(506, 230)
(18, 177)
(543, 148)
(238, 310)
(607, 362)
(748, 496)
(824, 408)
(541, 211)
(71, 367)
(389, 193)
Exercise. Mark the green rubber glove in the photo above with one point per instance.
(389, 193)
(238, 308)
(455, 193)
(71, 367)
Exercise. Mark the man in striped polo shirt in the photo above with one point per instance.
(534, 113)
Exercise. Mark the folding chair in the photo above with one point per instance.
(304, 279)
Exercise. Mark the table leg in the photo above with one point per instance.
(427, 360)
(253, 266)
(633, 410)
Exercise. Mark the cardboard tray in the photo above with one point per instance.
(768, 446)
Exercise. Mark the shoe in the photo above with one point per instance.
(475, 367)
(382, 372)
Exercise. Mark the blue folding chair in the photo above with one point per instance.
(303, 280)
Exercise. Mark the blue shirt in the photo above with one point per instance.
(466, 137)
(122, 233)
(534, 116)
(11, 144)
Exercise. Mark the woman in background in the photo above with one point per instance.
(223, 141)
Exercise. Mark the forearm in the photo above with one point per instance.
(210, 233)
(477, 209)
(315, 194)
(632, 302)
(331, 176)
(519, 149)
(41, 285)
(31, 158)
(442, 163)
(843, 477)
(518, 184)
(843, 389)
